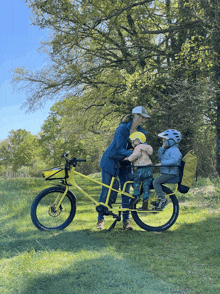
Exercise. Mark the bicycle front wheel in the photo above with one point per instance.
(151, 220)
(46, 215)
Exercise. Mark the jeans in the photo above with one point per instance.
(144, 174)
(161, 180)
(106, 179)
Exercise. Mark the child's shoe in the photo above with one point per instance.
(162, 203)
(137, 200)
(145, 204)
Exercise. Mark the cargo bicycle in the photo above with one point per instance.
(55, 207)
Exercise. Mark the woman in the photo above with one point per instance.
(130, 124)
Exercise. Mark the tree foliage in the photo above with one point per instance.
(20, 149)
(68, 130)
(109, 46)
(109, 56)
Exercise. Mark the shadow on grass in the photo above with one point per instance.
(99, 275)
(15, 243)
(197, 239)
(200, 233)
(187, 244)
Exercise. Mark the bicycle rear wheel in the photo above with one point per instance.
(157, 220)
(44, 213)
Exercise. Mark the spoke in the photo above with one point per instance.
(47, 212)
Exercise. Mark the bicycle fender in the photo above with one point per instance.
(72, 195)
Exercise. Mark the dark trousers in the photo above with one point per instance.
(106, 179)
(161, 180)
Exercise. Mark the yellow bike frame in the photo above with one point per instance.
(70, 181)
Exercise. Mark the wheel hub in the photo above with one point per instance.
(53, 211)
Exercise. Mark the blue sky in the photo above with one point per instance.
(19, 41)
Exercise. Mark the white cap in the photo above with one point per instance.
(141, 110)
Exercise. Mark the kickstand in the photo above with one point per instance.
(118, 218)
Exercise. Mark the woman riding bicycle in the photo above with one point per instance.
(130, 124)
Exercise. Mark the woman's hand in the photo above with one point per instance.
(126, 158)
(158, 164)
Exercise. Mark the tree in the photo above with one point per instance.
(200, 63)
(99, 45)
(109, 56)
(67, 129)
(19, 149)
(5, 156)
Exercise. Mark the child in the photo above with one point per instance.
(170, 157)
(140, 159)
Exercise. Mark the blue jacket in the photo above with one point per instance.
(118, 146)
(169, 156)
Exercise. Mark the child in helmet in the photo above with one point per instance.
(170, 158)
(140, 159)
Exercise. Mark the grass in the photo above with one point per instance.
(184, 259)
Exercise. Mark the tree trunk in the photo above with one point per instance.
(218, 130)
(216, 70)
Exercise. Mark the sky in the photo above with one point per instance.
(19, 41)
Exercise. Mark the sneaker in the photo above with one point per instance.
(136, 201)
(100, 224)
(127, 226)
(162, 203)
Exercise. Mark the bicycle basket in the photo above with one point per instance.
(55, 174)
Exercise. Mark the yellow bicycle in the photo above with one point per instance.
(55, 207)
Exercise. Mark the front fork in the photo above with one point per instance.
(59, 202)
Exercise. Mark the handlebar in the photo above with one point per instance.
(72, 161)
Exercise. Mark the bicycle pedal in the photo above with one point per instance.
(154, 203)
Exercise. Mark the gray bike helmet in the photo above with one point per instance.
(171, 136)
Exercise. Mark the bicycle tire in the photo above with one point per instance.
(159, 220)
(44, 217)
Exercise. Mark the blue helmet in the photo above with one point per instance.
(172, 137)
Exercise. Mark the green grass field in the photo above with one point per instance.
(80, 259)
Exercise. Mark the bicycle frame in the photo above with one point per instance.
(55, 207)
(70, 181)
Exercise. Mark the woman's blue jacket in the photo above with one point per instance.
(170, 156)
(118, 146)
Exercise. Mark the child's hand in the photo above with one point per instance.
(158, 164)
(126, 158)
(164, 143)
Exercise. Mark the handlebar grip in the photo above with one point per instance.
(74, 160)
(65, 154)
